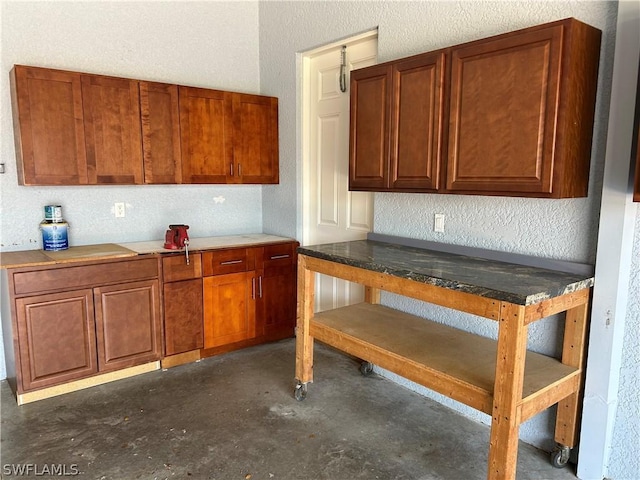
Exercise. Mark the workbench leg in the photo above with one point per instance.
(304, 341)
(572, 354)
(372, 295)
(505, 423)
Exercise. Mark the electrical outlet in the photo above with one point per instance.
(119, 210)
(438, 223)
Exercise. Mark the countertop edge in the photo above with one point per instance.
(40, 258)
(483, 291)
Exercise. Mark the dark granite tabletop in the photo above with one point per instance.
(509, 282)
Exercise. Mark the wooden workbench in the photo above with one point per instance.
(500, 378)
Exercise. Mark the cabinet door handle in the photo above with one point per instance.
(276, 257)
(231, 262)
(260, 286)
(231, 168)
(239, 169)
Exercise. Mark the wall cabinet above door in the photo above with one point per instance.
(507, 115)
(81, 129)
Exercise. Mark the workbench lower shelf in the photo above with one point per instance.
(453, 362)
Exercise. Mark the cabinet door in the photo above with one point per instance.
(183, 316)
(48, 126)
(112, 130)
(56, 338)
(416, 127)
(369, 128)
(229, 308)
(206, 131)
(502, 120)
(127, 324)
(160, 133)
(255, 138)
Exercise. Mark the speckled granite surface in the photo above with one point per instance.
(522, 285)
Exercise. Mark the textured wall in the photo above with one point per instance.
(624, 463)
(209, 44)
(561, 229)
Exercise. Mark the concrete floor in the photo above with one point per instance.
(234, 417)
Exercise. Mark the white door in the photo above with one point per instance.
(330, 212)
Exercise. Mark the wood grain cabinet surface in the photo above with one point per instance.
(160, 120)
(74, 128)
(112, 130)
(73, 322)
(183, 304)
(507, 115)
(48, 122)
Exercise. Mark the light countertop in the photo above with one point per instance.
(105, 251)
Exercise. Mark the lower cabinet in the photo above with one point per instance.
(226, 299)
(277, 305)
(127, 329)
(57, 339)
(72, 322)
(229, 308)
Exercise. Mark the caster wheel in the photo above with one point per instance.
(366, 368)
(300, 392)
(560, 456)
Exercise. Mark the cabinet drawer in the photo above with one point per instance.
(69, 277)
(175, 267)
(279, 255)
(228, 261)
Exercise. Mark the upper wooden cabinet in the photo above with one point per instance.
(396, 123)
(508, 115)
(228, 137)
(49, 126)
(160, 133)
(78, 129)
(255, 138)
(206, 132)
(112, 130)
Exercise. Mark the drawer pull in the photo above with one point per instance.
(231, 262)
(276, 257)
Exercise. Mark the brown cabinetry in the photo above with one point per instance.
(518, 110)
(57, 338)
(73, 322)
(77, 129)
(228, 137)
(255, 138)
(183, 304)
(230, 291)
(276, 307)
(112, 130)
(396, 123)
(160, 120)
(127, 329)
(48, 126)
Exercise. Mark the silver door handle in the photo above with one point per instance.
(230, 262)
(276, 257)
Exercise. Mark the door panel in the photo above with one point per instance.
(112, 130)
(521, 74)
(48, 119)
(255, 138)
(418, 102)
(183, 316)
(206, 133)
(127, 324)
(56, 336)
(160, 133)
(229, 308)
(332, 213)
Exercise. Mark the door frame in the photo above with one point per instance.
(306, 57)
